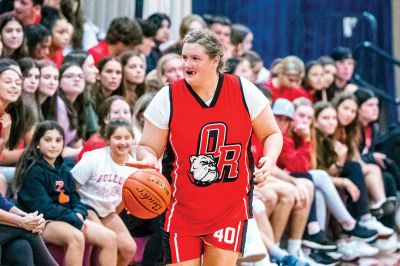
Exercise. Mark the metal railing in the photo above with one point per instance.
(369, 46)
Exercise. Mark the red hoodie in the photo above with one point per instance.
(292, 158)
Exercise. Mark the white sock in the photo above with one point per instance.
(277, 252)
(313, 228)
(294, 246)
(378, 204)
(348, 225)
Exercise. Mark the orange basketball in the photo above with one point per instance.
(146, 193)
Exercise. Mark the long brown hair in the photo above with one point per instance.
(299, 102)
(140, 89)
(76, 19)
(96, 92)
(21, 119)
(76, 111)
(32, 154)
(47, 109)
(326, 155)
(349, 135)
(21, 51)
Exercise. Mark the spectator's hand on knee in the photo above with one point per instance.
(30, 221)
(351, 189)
(380, 159)
(301, 195)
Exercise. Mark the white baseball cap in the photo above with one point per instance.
(283, 107)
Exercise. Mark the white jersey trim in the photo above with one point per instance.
(159, 110)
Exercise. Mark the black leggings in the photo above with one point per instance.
(21, 247)
(392, 170)
(352, 171)
(312, 216)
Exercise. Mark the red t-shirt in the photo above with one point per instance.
(99, 51)
(292, 158)
(208, 158)
(38, 18)
(368, 138)
(93, 143)
(286, 93)
(58, 58)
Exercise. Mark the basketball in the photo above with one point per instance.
(146, 194)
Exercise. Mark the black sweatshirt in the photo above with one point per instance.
(51, 191)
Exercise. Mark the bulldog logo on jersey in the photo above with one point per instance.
(215, 160)
(204, 170)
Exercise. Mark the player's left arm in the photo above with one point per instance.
(152, 144)
(268, 132)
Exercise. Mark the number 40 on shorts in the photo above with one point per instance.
(226, 235)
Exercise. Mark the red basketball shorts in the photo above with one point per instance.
(181, 247)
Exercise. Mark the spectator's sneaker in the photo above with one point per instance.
(374, 224)
(360, 232)
(387, 207)
(323, 259)
(289, 260)
(318, 241)
(390, 205)
(387, 246)
(347, 251)
(305, 258)
(364, 249)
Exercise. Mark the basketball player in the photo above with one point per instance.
(204, 123)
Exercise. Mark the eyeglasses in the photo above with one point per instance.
(73, 76)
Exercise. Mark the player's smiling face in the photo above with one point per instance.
(197, 65)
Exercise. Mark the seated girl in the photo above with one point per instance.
(71, 107)
(44, 183)
(100, 175)
(346, 174)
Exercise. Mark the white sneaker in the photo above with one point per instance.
(364, 249)
(387, 246)
(382, 230)
(347, 251)
(305, 258)
(254, 249)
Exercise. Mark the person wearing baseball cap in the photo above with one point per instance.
(283, 111)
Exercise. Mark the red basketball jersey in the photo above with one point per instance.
(208, 158)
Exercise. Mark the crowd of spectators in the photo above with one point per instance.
(331, 197)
